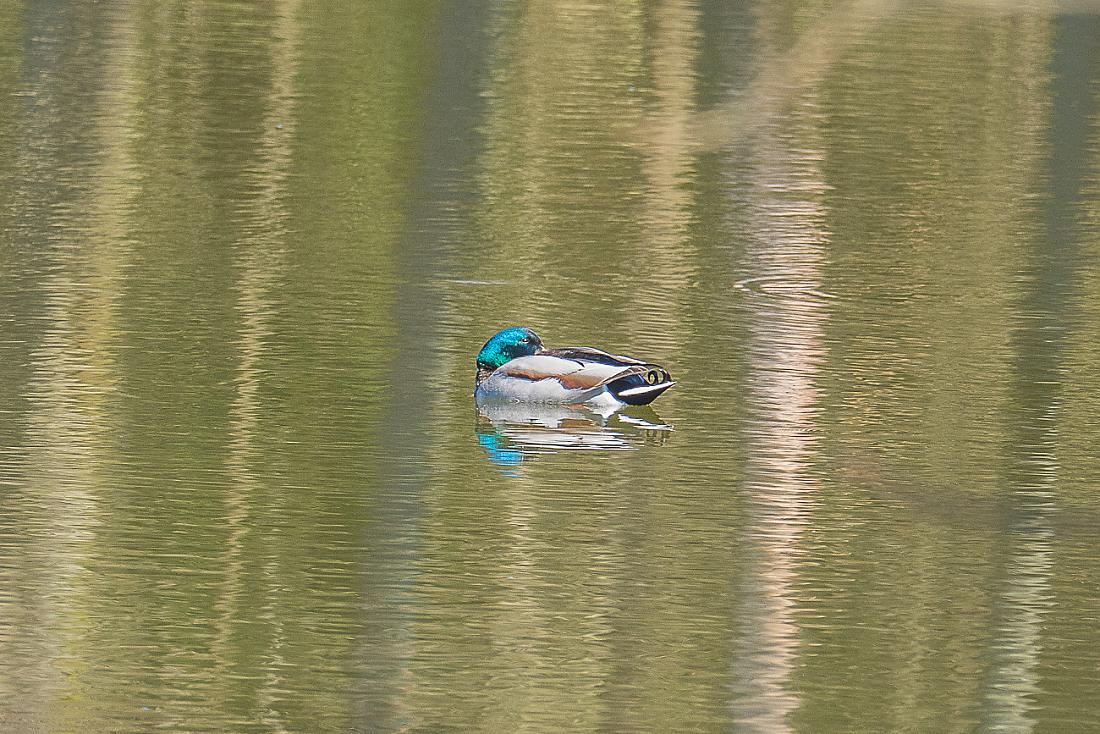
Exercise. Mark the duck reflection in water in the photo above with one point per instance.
(511, 432)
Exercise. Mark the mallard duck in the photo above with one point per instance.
(513, 365)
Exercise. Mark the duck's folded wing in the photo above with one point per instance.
(631, 380)
(552, 378)
(571, 374)
(590, 354)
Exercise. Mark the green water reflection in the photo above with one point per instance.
(247, 254)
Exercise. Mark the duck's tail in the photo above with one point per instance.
(641, 387)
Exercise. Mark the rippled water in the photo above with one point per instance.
(249, 252)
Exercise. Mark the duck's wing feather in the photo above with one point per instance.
(634, 382)
(571, 372)
(576, 374)
(590, 354)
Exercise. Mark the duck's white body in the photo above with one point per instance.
(544, 379)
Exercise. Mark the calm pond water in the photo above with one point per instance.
(248, 252)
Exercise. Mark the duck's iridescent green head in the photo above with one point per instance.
(506, 345)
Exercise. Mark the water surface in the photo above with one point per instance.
(247, 255)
